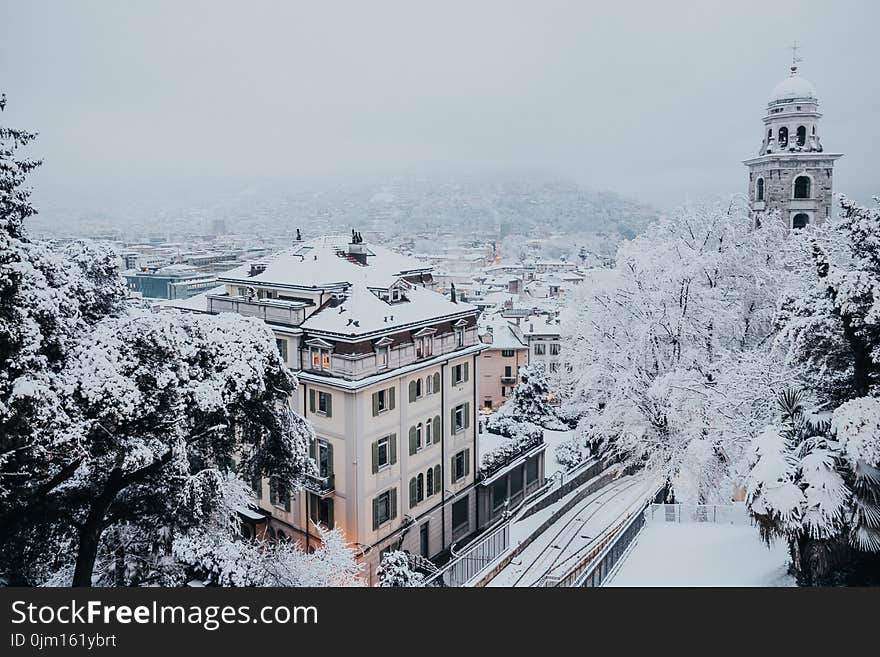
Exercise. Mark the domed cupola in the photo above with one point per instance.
(793, 88)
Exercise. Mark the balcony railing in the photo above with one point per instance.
(508, 379)
(275, 311)
(320, 485)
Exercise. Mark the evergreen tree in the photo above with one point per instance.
(396, 570)
(122, 432)
(529, 402)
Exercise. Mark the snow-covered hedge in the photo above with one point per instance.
(521, 437)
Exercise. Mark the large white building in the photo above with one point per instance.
(387, 371)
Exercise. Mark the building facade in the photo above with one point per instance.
(388, 373)
(499, 364)
(792, 174)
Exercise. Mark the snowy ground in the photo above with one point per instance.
(702, 554)
(552, 439)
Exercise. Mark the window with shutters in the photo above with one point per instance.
(540, 349)
(384, 508)
(321, 510)
(428, 432)
(507, 353)
(383, 452)
(429, 482)
(554, 348)
(459, 337)
(461, 465)
(416, 490)
(281, 343)
(460, 417)
(460, 373)
(324, 458)
(383, 401)
(419, 436)
(325, 404)
(429, 385)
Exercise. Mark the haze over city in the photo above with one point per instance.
(659, 102)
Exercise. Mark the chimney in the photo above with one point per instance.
(356, 249)
(452, 293)
(299, 236)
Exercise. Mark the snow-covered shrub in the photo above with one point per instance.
(572, 452)
(395, 570)
(520, 438)
(220, 560)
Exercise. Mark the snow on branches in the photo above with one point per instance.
(667, 350)
(395, 570)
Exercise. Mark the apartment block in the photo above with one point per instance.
(388, 373)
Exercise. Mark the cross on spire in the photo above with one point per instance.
(795, 60)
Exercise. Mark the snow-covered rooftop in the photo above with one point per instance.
(363, 312)
(318, 263)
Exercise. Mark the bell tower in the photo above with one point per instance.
(792, 174)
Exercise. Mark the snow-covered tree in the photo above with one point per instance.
(396, 570)
(668, 351)
(829, 335)
(121, 431)
(48, 301)
(529, 402)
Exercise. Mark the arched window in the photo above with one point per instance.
(420, 485)
(759, 192)
(800, 221)
(430, 481)
(428, 387)
(419, 435)
(770, 134)
(801, 135)
(418, 387)
(783, 137)
(802, 187)
(428, 432)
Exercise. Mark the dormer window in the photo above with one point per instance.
(424, 346)
(319, 354)
(395, 295)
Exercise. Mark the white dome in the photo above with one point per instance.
(793, 87)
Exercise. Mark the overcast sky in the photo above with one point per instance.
(657, 100)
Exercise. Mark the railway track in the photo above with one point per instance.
(554, 556)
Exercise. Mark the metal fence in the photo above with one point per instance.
(607, 560)
(475, 558)
(733, 514)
